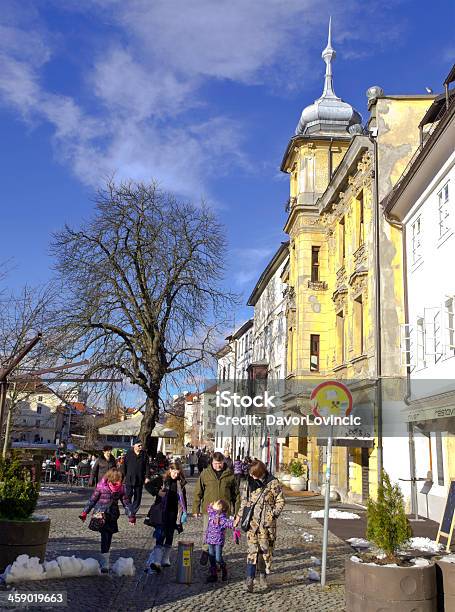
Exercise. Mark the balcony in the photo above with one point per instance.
(341, 275)
(360, 256)
(317, 285)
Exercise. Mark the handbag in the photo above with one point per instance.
(155, 515)
(248, 512)
(97, 522)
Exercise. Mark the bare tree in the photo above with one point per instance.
(143, 278)
(23, 315)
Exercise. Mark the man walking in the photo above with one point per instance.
(136, 473)
(104, 463)
(192, 461)
(215, 482)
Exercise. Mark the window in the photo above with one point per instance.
(358, 326)
(360, 220)
(38, 423)
(420, 332)
(40, 398)
(444, 213)
(266, 341)
(314, 353)
(315, 263)
(340, 338)
(433, 332)
(39, 409)
(449, 327)
(342, 241)
(416, 241)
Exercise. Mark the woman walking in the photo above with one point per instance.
(265, 497)
(167, 514)
(104, 502)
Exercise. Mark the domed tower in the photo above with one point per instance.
(328, 115)
(321, 139)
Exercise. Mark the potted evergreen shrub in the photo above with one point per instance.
(21, 532)
(285, 474)
(387, 580)
(298, 478)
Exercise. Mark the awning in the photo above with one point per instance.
(132, 427)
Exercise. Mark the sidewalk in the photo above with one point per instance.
(288, 582)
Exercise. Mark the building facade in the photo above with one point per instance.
(423, 201)
(345, 295)
(233, 361)
(268, 299)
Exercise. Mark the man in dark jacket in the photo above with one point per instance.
(104, 463)
(215, 482)
(136, 473)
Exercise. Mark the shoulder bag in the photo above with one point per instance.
(248, 512)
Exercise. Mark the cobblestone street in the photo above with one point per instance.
(289, 587)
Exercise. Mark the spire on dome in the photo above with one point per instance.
(328, 115)
(328, 55)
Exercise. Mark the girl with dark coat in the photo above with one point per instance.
(167, 514)
(109, 491)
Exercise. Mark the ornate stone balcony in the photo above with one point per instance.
(317, 285)
(360, 256)
(341, 276)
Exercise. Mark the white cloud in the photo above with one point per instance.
(142, 111)
(247, 263)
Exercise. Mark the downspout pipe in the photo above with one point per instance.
(407, 397)
(377, 331)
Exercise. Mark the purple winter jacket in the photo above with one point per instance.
(105, 500)
(218, 523)
(238, 467)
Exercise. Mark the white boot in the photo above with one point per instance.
(105, 562)
(166, 562)
(156, 564)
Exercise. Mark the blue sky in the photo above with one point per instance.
(202, 95)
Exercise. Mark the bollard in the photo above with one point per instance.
(185, 562)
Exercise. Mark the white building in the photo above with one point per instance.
(36, 416)
(424, 201)
(234, 359)
(269, 346)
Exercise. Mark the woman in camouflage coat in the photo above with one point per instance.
(265, 492)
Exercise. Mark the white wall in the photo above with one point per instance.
(431, 300)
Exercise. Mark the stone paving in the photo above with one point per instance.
(290, 588)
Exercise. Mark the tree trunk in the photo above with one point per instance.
(8, 427)
(148, 423)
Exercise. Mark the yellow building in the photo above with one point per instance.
(342, 324)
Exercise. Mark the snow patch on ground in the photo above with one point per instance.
(334, 514)
(424, 544)
(356, 559)
(315, 561)
(124, 567)
(308, 537)
(358, 542)
(26, 568)
(313, 575)
(448, 559)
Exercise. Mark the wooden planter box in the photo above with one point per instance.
(23, 538)
(375, 588)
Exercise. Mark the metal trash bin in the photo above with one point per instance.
(185, 562)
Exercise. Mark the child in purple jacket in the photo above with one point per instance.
(214, 537)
